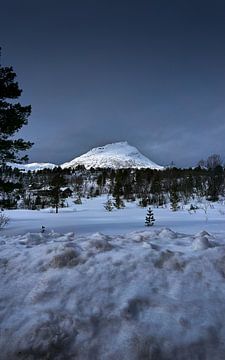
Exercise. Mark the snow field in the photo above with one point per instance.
(92, 217)
(123, 292)
(152, 294)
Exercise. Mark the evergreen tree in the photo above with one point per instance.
(149, 220)
(215, 183)
(174, 200)
(38, 201)
(118, 202)
(56, 193)
(156, 191)
(12, 118)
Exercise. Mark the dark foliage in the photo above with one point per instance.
(149, 220)
(13, 116)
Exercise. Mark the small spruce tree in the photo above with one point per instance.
(108, 205)
(149, 220)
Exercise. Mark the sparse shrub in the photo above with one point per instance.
(78, 201)
(69, 257)
(108, 205)
(193, 208)
(4, 220)
(205, 206)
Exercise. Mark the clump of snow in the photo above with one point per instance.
(100, 242)
(143, 295)
(201, 243)
(167, 233)
(32, 239)
(203, 240)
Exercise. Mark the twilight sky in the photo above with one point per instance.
(151, 72)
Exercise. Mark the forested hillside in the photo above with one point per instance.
(52, 187)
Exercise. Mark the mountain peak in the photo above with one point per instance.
(117, 155)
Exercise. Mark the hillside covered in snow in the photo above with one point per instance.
(118, 155)
(115, 156)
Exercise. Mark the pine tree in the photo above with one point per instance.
(12, 118)
(56, 193)
(174, 200)
(149, 220)
(118, 202)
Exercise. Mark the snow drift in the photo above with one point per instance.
(146, 295)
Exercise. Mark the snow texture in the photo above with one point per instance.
(155, 294)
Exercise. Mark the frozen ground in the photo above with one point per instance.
(92, 217)
(148, 294)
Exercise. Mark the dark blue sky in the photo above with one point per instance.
(149, 72)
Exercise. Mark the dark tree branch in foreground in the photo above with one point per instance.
(13, 116)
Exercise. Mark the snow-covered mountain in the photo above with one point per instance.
(116, 156)
(32, 166)
(119, 155)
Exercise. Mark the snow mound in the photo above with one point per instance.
(100, 242)
(204, 233)
(167, 233)
(69, 257)
(109, 297)
(201, 243)
(32, 239)
(116, 156)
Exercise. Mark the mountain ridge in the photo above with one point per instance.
(118, 155)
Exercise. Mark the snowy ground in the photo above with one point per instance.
(92, 217)
(144, 294)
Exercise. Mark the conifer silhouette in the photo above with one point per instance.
(149, 220)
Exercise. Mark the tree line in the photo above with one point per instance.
(51, 187)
